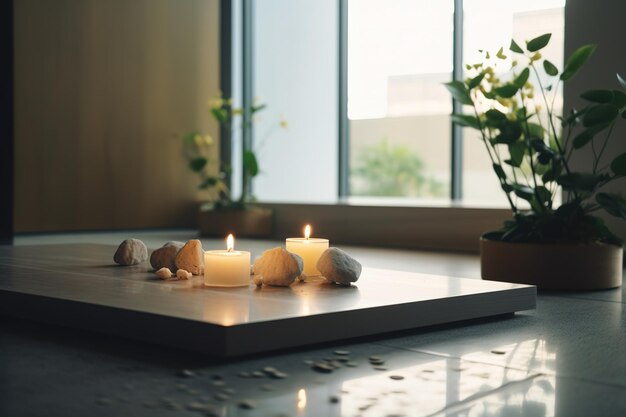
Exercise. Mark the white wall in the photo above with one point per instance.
(600, 22)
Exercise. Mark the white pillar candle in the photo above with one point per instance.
(227, 268)
(310, 249)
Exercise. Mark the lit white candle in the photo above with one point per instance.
(310, 249)
(227, 268)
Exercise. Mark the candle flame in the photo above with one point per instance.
(307, 231)
(301, 399)
(230, 243)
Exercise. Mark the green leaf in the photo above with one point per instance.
(250, 165)
(517, 151)
(495, 118)
(576, 181)
(538, 43)
(509, 132)
(598, 96)
(466, 120)
(535, 130)
(475, 82)
(553, 173)
(220, 114)
(618, 166)
(614, 204)
(197, 164)
(506, 91)
(521, 79)
(587, 135)
(550, 68)
(524, 191)
(619, 98)
(543, 194)
(576, 60)
(540, 146)
(257, 108)
(621, 81)
(499, 171)
(600, 114)
(459, 92)
(515, 47)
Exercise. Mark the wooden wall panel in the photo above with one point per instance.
(103, 89)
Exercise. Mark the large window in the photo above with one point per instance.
(359, 86)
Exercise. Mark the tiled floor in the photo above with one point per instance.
(564, 359)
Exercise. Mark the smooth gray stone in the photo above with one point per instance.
(339, 267)
(131, 252)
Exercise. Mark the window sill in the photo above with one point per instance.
(444, 226)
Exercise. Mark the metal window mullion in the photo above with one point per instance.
(343, 125)
(226, 82)
(456, 162)
(247, 81)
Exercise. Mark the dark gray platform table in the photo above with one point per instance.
(77, 286)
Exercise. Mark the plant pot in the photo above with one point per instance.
(574, 267)
(252, 222)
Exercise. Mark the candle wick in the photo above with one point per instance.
(229, 250)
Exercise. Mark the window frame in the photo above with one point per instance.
(451, 226)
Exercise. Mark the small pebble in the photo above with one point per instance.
(278, 375)
(334, 399)
(183, 275)
(380, 368)
(323, 367)
(103, 401)
(309, 362)
(396, 377)
(352, 364)
(164, 273)
(498, 352)
(430, 371)
(375, 358)
(220, 396)
(258, 374)
(196, 406)
(185, 373)
(244, 374)
(344, 359)
(269, 370)
(217, 383)
(246, 405)
(342, 352)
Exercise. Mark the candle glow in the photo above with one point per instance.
(309, 249)
(227, 268)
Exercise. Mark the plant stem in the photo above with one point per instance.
(551, 122)
(606, 140)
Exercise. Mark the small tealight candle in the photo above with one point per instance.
(310, 249)
(227, 268)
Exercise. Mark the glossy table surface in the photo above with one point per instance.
(566, 358)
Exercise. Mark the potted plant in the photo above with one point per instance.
(221, 213)
(552, 245)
